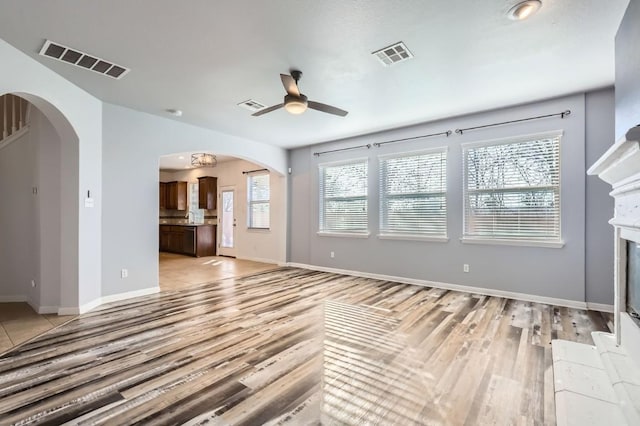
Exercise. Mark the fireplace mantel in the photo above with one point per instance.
(620, 167)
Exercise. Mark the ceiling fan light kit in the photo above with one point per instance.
(295, 102)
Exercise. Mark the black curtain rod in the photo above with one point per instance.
(318, 154)
(562, 114)
(447, 134)
(254, 171)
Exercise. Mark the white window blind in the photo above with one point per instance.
(512, 190)
(413, 194)
(259, 200)
(343, 197)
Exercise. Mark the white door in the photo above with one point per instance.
(227, 222)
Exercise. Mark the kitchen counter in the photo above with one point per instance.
(186, 224)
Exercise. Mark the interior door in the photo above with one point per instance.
(227, 222)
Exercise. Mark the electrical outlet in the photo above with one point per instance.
(33, 283)
(124, 273)
(465, 267)
(332, 254)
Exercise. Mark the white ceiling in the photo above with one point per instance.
(204, 57)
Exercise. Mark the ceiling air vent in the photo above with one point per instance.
(82, 60)
(393, 54)
(251, 105)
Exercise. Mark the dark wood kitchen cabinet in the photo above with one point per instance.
(191, 240)
(207, 192)
(175, 195)
(163, 195)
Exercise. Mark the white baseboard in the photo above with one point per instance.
(462, 288)
(600, 307)
(13, 298)
(263, 260)
(46, 309)
(129, 295)
(107, 299)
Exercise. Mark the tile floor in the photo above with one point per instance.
(19, 322)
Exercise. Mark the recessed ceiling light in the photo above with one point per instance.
(175, 112)
(181, 157)
(524, 10)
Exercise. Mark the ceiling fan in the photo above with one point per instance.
(297, 103)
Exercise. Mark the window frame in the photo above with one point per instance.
(322, 231)
(251, 202)
(512, 241)
(383, 197)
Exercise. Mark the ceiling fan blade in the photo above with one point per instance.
(327, 108)
(290, 84)
(266, 110)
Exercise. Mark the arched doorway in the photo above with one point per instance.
(44, 222)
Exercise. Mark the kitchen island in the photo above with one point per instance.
(189, 239)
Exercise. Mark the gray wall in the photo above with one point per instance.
(29, 223)
(628, 70)
(49, 210)
(558, 273)
(18, 265)
(599, 205)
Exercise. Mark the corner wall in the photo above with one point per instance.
(599, 261)
(546, 272)
(627, 69)
(18, 221)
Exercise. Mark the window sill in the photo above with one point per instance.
(343, 234)
(520, 243)
(409, 237)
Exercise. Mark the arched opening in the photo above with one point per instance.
(235, 206)
(39, 216)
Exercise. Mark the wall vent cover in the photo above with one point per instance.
(83, 60)
(393, 54)
(251, 105)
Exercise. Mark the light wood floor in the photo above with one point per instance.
(19, 322)
(290, 346)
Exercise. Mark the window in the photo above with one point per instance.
(196, 215)
(259, 195)
(413, 194)
(343, 198)
(512, 190)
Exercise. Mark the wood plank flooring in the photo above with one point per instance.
(290, 347)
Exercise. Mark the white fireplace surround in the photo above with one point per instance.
(600, 384)
(620, 167)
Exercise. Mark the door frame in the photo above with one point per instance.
(227, 251)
